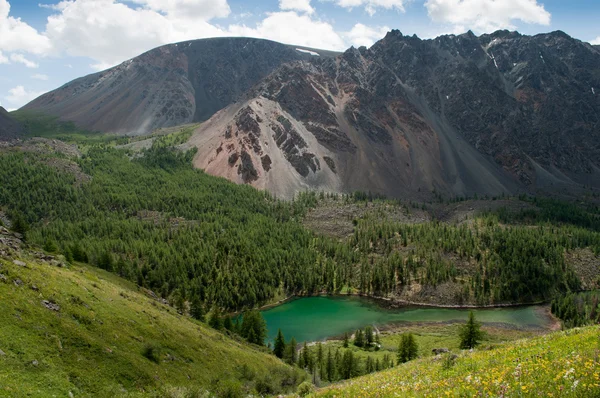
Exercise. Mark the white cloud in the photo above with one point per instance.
(296, 5)
(597, 41)
(20, 58)
(40, 76)
(110, 32)
(362, 35)
(372, 5)
(487, 15)
(3, 59)
(291, 28)
(16, 35)
(188, 9)
(19, 96)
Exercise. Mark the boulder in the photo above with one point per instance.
(50, 305)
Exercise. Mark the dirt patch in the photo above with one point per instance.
(335, 218)
(69, 167)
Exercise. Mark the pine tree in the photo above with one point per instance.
(359, 338)
(214, 321)
(291, 356)
(228, 324)
(369, 339)
(320, 360)
(279, 346)
(19, 225)
(346, 340)
(470, 333)
(197, 308)
(330, 367)
(408, 348)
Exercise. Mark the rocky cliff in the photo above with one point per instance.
(457, 115)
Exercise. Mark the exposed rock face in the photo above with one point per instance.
(168, 86)
(9, 128)
(458, 115)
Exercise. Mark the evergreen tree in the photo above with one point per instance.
(408, 348)
(197, 308)
(470, 333)
(50, 246)
(348, 365)
(279, 346)
(346, 340)
(228, 324)
(19, 225)
(359, 338)
(291, 356)
(369, 338)
(254, 327)
(330, 367)
(215, 321)
(320, 360)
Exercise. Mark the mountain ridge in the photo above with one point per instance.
(452, 115)
(458, 115)
(170, 85)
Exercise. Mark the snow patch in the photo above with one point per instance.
(593, 91)
(308, 52)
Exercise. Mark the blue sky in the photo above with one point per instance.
(43, 46)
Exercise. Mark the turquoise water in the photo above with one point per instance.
(317, 318)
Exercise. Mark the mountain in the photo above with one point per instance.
(9, 128)
(458, 115)
(168, 86)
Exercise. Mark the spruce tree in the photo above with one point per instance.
(359, 338)
(346, 340)
(470, 333)
(197, 308)
(408, 348)
(369, 338)
(228, 324)
(291, 356)
(279, 346)
(330, 367)
(214, 321)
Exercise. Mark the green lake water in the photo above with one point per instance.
(317, 318)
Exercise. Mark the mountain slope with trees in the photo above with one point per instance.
(75, 330)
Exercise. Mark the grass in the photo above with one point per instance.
(559, 364)
(111, 339)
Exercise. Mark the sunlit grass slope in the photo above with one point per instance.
(562, 364)
(109, 339)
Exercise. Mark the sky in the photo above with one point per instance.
(47, 43)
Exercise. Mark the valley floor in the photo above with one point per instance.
(561, 364)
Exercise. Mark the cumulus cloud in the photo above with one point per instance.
(597, 41)
(40, 76)
(291, 28)
(3, 59)
(296, 5)
(372, 5)
(362, 35)
(110, 32)
(19, 96)
(16, 35)
(20, 58)
(188, 9)
(487, 15)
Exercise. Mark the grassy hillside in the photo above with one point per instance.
(565, 364)
(109, 338)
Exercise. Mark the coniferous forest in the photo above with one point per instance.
(194, 238)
